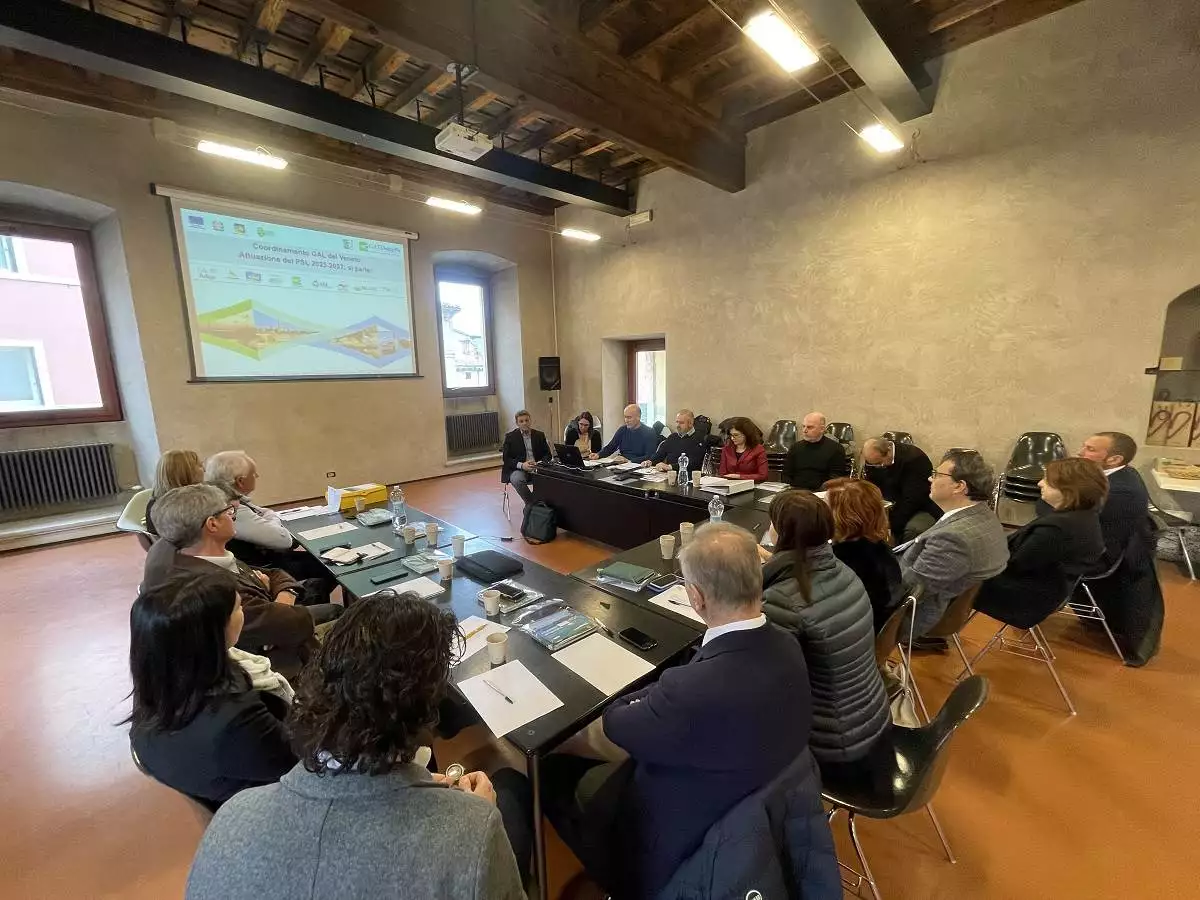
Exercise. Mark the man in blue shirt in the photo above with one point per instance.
(633, 441)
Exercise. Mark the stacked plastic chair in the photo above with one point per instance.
(1027, 465)
(779, 442)
(843, 433)
(898, 437)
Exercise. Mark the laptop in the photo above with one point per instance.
(569, 455)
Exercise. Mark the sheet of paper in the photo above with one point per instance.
(478, 628)
(315, 534)
(656, 478)
(675, 599)
(301, 512)
(530, 698)
(333, 499)
(592, 463)
(606, 665)
(341, 556)
(372, 550)
(627, 467)
(773, 486)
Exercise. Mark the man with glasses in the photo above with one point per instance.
(901, 472)
(194, 524)
(964, 547)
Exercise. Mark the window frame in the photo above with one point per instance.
(37, 350)
(465, 275)
(633, 348)
(110, 399)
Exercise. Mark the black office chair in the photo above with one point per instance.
(909, 777)
(703, 426)
(660, 431)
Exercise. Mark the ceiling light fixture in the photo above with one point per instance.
(578, 234)
(258, 157)
(780, 41)
(458, 206)
(881, 138)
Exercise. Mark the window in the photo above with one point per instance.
(55, 366)
(648, 379)
(465, 331)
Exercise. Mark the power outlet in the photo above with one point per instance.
(331, 474)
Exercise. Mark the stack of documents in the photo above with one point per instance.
(344, 556)
(593, 463)
(773, 486)
(716, 485)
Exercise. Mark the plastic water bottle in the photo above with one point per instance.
(706, 466)
(716, 509)
(399, 510)
(683, 469)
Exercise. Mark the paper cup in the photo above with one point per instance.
(431, 533)
(410, 534)
(672, 477)
(666, 544)
(685, 532)
(445, 569)
(497, 645)
(460, 545)
(491, 602)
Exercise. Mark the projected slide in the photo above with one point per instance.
(269, 300)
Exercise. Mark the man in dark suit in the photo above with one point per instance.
(702, 738)
(1132, 598)
(524, 448)
(964, 547)
(901, 472)
(683, 440)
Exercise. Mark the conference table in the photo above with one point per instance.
(624, 514)
(581, 701)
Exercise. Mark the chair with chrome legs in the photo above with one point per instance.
(1030, 643)
(1164, 523)
(911, 777)
(504, 503)
(1091, 611)
(957, 614)
(896, 634)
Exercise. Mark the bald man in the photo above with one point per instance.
(815, 458)
(633, 441)
(683, 440)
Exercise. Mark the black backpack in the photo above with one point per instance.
(539, 524)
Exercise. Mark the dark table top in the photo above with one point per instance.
(581, 701)
(362, 535)
(649, 555)
(688, 495)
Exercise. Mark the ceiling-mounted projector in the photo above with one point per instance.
(459, 140)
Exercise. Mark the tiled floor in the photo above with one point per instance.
(1035, 803)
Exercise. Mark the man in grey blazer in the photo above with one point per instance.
(964, 547)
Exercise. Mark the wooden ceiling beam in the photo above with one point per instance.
(518, 117)
(960, 12)
(175, 10)
(593, 13)
(382, 64)
(548, 134)
(448, 108)
(260, 23)
(640, 46)
(623, 159)
(415, 89)
(785, 103)
(523, 47)
(331, 37)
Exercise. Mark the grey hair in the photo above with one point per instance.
(226, 467)
(882, 444)
(972, 470)
(721, 560)
(180, 513)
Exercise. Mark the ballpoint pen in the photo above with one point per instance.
(474, 631)
(507, 698)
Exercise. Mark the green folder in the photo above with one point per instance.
(627, 572)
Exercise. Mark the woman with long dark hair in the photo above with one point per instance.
(359, 815)
(206, 717)
(809, 592)
(862, 540)
(743, 455)
(582, 433)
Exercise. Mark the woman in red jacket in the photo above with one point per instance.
(743, 455)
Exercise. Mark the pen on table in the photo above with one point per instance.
(605, 629)
(339, 547)
(507, 698)
(474, 631)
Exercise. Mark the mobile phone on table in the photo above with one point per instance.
(660, 583)
(637, 638)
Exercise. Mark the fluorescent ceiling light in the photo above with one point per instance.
(258, 157)
(881, 138)
(578, 234)
(458, 206)
(780, 41)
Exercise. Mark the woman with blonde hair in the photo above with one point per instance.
(176, 468)
(862, 538)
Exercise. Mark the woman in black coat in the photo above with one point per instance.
(1048, 555)
(862, 540)
(200, 722)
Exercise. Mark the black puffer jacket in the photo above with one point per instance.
(837, 634)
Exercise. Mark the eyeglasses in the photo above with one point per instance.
(231, 509)
(943, 474)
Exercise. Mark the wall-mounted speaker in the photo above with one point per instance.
(549, 373)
